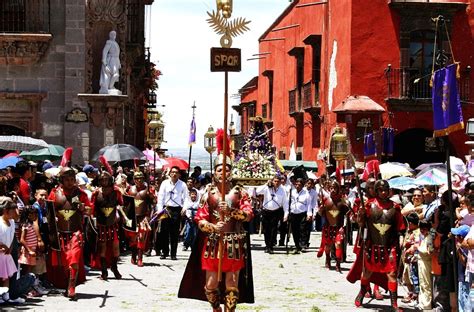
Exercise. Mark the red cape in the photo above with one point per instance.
(356, 272)
(194, 278)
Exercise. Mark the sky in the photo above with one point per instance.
(180, 40)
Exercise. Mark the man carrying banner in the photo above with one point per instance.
(221, 224)
(70, 204)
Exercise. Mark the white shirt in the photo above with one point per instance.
(314, 200)
(273, 199)
(191, 208)
(300, 202)
(7, 232)
(171, 194)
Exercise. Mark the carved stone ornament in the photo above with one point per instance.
(77, 115)
(23, 49)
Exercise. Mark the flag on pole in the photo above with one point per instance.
(369, 146)
(192, 133)
(447, 111)
(388, 138)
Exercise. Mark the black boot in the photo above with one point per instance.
(103, 266)
(133, 260)
(115, 269)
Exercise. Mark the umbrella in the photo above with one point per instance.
(119, 152)
(20, 143)
(429, 165)
(9, 161)
(434, 176)
(402, 183)
(12, 154)
(390, 170)
(173, 161)
(52, 152)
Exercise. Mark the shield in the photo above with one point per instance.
(52, 225)
(129, 209)
(52, 152)
(20, 143)
(119, 152)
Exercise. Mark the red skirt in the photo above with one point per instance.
(233, 256)
(380, 259)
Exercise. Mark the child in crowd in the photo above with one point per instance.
(425, 250)
(191, 207)
(466, 216)
(29, 239)
(412, 240)
(8, 209)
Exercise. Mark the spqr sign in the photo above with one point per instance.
(225, 59)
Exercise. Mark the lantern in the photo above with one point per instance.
(152, 97)
(210, 143)
(339, 144)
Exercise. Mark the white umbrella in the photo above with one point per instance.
(21, 143)
(390, 170)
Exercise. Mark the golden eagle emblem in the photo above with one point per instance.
(334, 213)
(382, 228)
(107, 211)
(138, 202)
(67, 214)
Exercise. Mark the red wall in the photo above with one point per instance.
(367, 36)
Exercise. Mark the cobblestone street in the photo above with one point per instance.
(282, 283)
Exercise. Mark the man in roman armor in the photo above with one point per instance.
(70, 204)
(107, 201)
(144, 199)
(334, 208)
(223, 246)
(383, 221)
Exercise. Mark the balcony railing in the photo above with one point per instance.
(25, 16)
(411, 83)
(292, 102)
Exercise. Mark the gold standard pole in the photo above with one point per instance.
(224, 175)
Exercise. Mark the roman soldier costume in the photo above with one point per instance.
(334, 209)
(69, 206)
(222, 235)
(106, 200)
(378, 257)
(143, 199)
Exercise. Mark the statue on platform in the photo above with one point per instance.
(109, 73)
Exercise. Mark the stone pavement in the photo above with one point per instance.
(282, 283)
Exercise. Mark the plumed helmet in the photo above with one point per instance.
(67, 172)
(381, 184)
(106, 175)
(370, 182)
(138, 175)
(219, 160)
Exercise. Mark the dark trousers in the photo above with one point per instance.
(169, 232)
(270, 225)
(298, 228)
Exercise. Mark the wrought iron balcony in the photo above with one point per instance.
(411, 83)
(25, 16)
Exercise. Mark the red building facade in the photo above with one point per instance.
(362, 65)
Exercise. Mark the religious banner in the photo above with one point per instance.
(369, 146)
(447, 111)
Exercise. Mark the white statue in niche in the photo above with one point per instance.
(109, 73)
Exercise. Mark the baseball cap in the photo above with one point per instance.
(462, 231)
(89, 169)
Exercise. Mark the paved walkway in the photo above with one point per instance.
(282, 283)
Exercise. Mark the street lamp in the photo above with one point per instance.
(210, 143)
